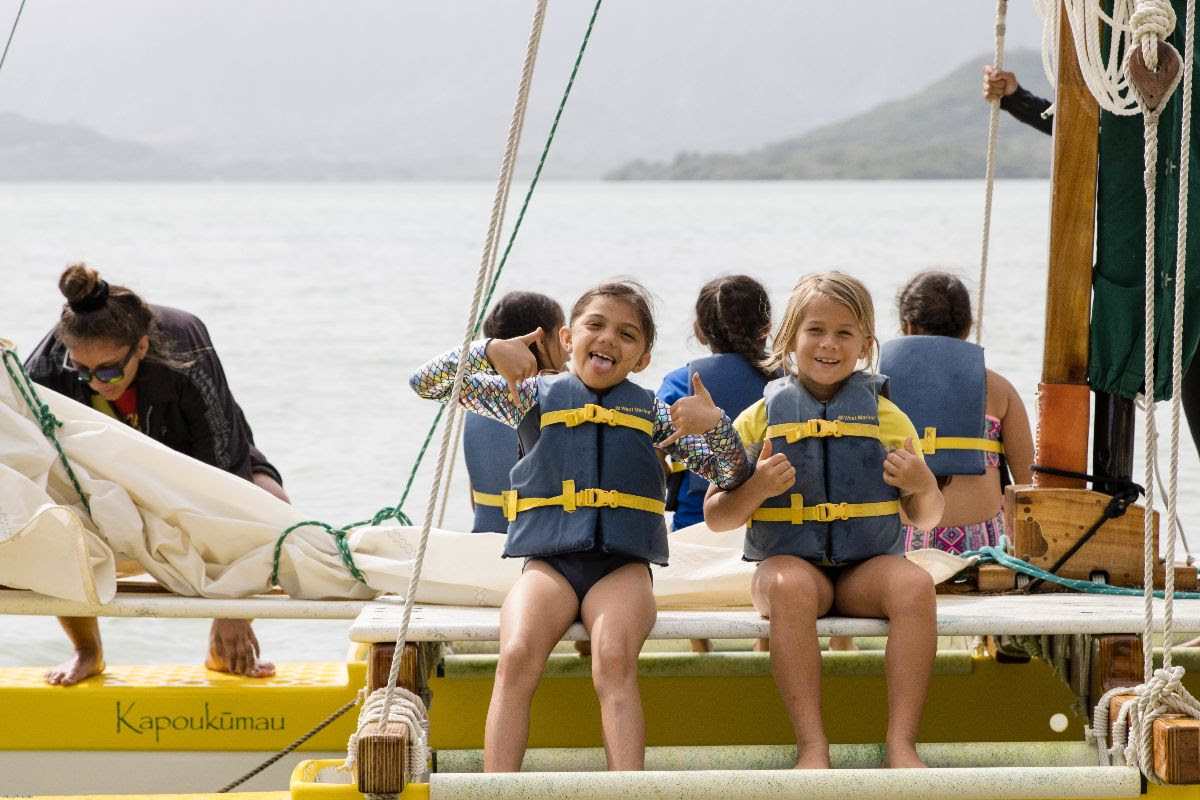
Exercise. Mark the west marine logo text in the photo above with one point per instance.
(131, 721)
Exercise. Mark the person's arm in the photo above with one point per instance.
(1025, 106)
(698, 433)
(483, 391)
(773, 475)
(921, 501)
(1014, 429)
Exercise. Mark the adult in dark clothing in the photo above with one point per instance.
(155, 369)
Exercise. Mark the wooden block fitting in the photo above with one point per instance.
(1116, 661)
(379, 663)
(1114, 709)
(1177, 749)
(382, 759)
(995, 578)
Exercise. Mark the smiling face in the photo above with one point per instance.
(96, 354)
(828, 346)
(605, 343)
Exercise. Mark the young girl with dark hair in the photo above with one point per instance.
(489, 446)
(972, 420)
(155, 369)
(733, 318)
(585, 510)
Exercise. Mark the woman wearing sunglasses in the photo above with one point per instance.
(155, 369)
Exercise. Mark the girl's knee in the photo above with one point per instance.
(614, 662)
(519, 660)
(793, 589)
(912, 591)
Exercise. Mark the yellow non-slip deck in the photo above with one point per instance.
(177, 707)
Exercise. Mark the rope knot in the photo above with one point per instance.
(48, 421)
(1152, 21)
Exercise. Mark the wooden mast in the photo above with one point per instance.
(1063, 396)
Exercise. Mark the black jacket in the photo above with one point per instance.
(1028, 107)
(188, 408)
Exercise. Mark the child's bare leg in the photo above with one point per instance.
(619, 612)
(88, 658)
(792, 593)
(843, 644)
(535, 615)
(702, 645)
(893, 588)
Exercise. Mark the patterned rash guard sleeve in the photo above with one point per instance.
(716, 455)
(483, 391)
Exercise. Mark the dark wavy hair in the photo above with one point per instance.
(518, 313)
(627, 291)
(935, 303)
(99, 311)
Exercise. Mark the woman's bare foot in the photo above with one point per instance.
(901, 755)
(702, 645)
(843, 644)
(84, 664)
(583, 647)
(233, 648)
(812, 756)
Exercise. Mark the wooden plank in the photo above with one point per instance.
(379, 664)
(1177, 749)
(995, 578)
(382, 759)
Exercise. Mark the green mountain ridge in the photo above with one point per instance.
(937, 133)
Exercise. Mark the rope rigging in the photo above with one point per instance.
(11, 34)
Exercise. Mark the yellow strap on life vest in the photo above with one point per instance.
(599, 415)
(798, 513)
(931, 443)
(570, 500)
(484, 499)
(794, 431)
(674, 465)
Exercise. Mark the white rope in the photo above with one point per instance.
(487, 264)
(990, 173)
(1162, 690)
(1102, 69)
(1049, 12)
(406, 709)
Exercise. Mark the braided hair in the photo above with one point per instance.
(518, 313)
(733, 313)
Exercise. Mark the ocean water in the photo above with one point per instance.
(322, 298)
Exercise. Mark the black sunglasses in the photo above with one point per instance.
(110, 374)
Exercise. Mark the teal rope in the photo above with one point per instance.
(396, 512)
(45, 418)
(11, 34)
(999, 555)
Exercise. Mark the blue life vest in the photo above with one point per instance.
(735, 385)
(490, 450)
(941, 384)
(840, 510)
(592, 480)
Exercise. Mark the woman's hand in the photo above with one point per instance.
(694, 414)
(513, 360)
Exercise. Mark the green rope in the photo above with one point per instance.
(11, 34)
(42, 414)
(1000, 555)
(396, 512)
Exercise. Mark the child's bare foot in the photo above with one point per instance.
(844, 644)
(901, 755)
(812, 756)
(583, 647)
(762, 645)
(233, 648)
(702, 645)
(84, 664)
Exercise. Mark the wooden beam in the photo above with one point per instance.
(1177, 749)
(1116, 661)
(1062, 426)
(379, 663)
(383, 759)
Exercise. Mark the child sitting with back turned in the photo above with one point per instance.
(942, 383)
(837, 466)
(585, 508)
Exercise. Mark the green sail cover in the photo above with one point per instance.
(1116, 360)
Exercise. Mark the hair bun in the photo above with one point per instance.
(83, 288)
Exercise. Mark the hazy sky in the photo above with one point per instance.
(431, 83)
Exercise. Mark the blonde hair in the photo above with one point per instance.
(836, 286)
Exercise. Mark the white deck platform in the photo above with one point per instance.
(957, 615)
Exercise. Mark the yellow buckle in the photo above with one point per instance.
(598, 498)
(828, 512)
(814, 427)
(570, 498)
(591, 413)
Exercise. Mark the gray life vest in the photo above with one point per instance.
(735, 385)
(839, 510)
(592, 480)
(941, 384)
(490, 450)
